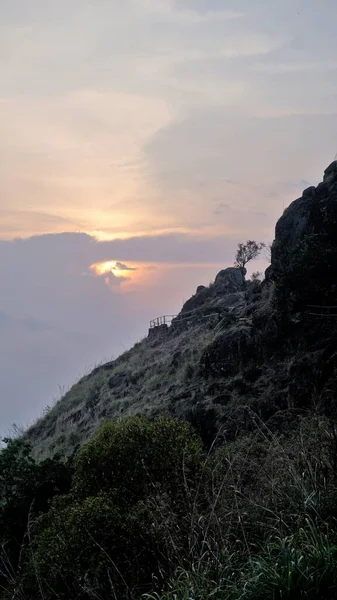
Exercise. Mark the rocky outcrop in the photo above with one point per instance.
(230, 280)
(227, 285)
(228, 354)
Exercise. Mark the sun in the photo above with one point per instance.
(131, 275)
(112, 266)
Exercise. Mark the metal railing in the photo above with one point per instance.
(316, 310)
(195, 314)
(164, 320)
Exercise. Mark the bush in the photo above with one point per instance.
(127, 517)
(26, 489)
(134, 458)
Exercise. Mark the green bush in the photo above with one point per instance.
(69, 554)
(127, 518)
(26, 490)
(134, 458)
(254, 520)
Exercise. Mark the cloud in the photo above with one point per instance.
(57, 318)
(224, 209)
(119, 266)
(293, 67)
(24, 222)
(205, 7)
(193, 159)
(29, 324)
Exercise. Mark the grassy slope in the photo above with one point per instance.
(147, 379)
(209, 372)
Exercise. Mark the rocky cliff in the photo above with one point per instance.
(239, 353)
(304, 253)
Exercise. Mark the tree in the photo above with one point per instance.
(127, 519)
(256, 277)
(127, 457)
(246, 252)
(26, 490)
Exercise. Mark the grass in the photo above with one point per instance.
(263, 528)
(140, 381)
(270, 530)
(303, 565)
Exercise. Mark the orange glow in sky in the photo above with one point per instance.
(132, 275)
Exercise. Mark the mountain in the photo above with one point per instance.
(238, 352)
(235, 496)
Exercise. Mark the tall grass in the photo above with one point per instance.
(270, 530)
(261, 523)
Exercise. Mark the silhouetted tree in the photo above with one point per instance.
(246, 252)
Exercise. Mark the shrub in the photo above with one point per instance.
(134, 457)
(127, 517)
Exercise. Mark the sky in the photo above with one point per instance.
(140, 141)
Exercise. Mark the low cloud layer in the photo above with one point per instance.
(58, 318)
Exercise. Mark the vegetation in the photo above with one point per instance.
(247, 252)
(232, 494)
(150, 514)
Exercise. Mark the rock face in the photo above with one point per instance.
(228, 354)
(158, 331)
(230, 280)
(304, 253)
(228, 283)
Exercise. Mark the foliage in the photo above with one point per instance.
(126, 518)
(26, 489)
(148, 510)
(256, 276)
(246, 252)
(299, 566)
(130, 458)
(302, 565)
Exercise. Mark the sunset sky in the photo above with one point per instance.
(140, 141)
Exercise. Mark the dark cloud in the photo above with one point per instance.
(51, 252)
(119, 266)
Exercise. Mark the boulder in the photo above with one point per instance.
(228, 283)
(230, 280)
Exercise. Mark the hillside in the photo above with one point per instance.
(161, 374)
(228, 491)
(239, 351)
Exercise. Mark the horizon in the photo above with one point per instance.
(140, 143)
